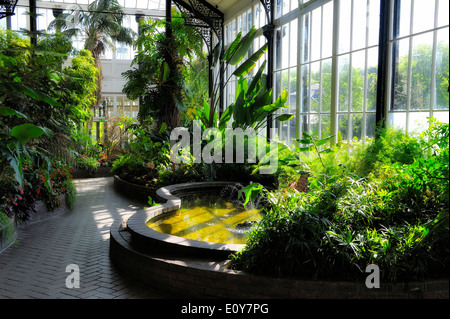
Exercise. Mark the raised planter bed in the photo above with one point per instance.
(43, 213)
(101, 172)
(8, 234)
(159, 260)
(207, 278)
(133, 190)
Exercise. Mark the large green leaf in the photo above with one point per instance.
(257, 78)
(243, 47)
(284, 117)
(10, 112)
(27, 131)
(231, 50)
(239, 112)
(250, 63)
(216, 53)
(37, 95)
(226, 116)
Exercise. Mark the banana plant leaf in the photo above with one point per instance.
(250, 63)
(242, 48)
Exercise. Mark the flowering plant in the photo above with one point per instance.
(37, 185)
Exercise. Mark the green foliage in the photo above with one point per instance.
(395, 217)
(160, 79)
(40, 100)
(145, 153)
(71, 193)
(88, 163)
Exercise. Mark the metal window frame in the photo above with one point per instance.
(392, 56)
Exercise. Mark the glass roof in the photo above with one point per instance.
(131, 4)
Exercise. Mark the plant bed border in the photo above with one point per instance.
(133, 190)
(200, 278)
(208, 277)
(102, 171)
(42, 214)
(6, 242)
(147, 237)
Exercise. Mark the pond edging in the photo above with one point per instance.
(208, 276)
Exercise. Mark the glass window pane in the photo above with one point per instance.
(306, 38)
(315, 87)
(443, 12)
(423, 15)
(397, 120)
(284, 81)
(401, 71)
(326, 125)
(305, 89)
(405, 18)
(359, 24)
(442, 116)
(421, 71)
(327, 31)
(314, 125)
(293, 43)
(418, 121)
(344, 25)
(372, 78)
(442, 70)
(358, 81)
(285, 47)
(357, 126)
(374, 22)
(326, 85)
(370, 124)
(292, 132)
(278, 49)
(316, 27)
(344, 79)
(343, 126)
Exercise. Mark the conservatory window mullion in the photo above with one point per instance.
(299, 94)
(335, 69)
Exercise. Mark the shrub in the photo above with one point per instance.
(88, 163)
(396, 217)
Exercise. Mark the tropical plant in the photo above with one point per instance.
(13, 149)
(158, 78)
(396, 217)
(253, 102)
(101, 24)
(27, 72)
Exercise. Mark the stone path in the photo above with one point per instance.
(35, 267)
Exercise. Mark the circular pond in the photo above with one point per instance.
(200, 227)
(209, 218)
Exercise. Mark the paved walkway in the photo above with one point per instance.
(35, 267)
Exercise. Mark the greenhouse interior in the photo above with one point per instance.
(166, 149)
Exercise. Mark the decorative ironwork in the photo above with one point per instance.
(268, 7)
(7, 8)
(203, 15)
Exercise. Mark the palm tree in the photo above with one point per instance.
(101, 26)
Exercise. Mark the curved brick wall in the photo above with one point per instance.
(193, 276)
